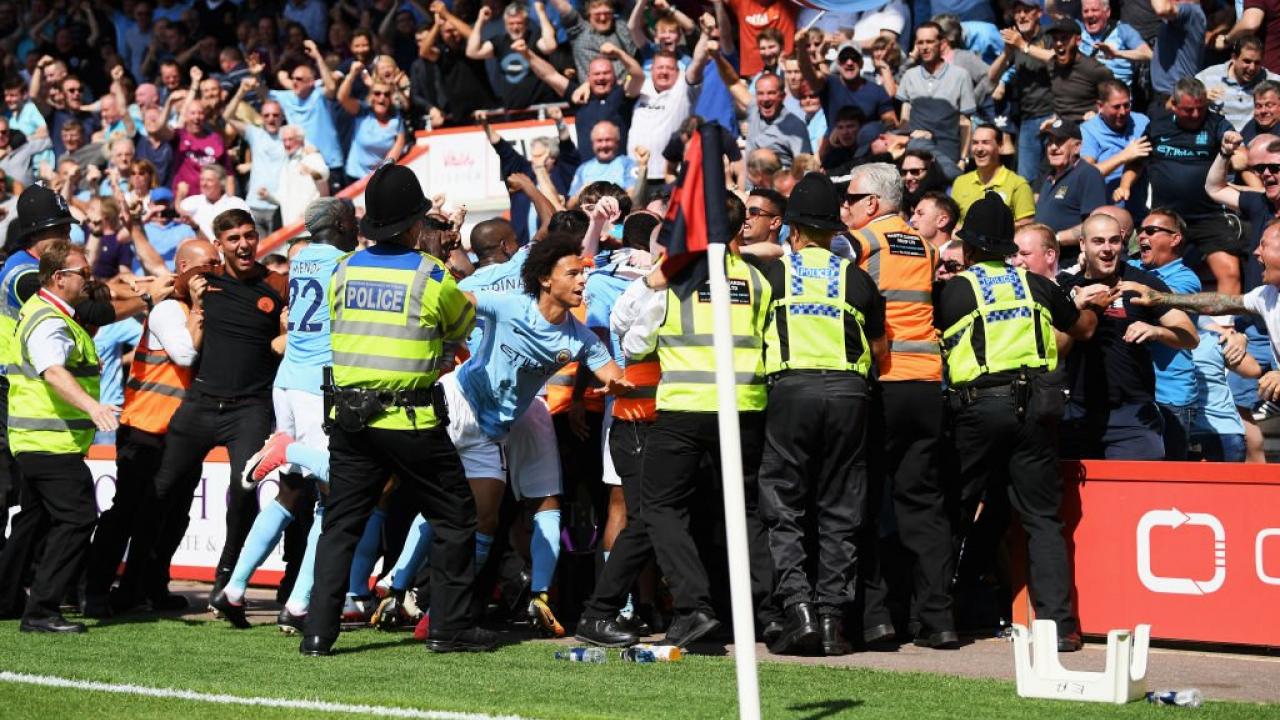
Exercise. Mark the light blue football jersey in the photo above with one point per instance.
(308, 349)
(503, 278)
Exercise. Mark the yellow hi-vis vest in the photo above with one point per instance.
(1017, 331)
(685, 348)
(812, 314)
(392, 313)
(39, 419)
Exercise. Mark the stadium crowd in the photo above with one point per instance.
(146, 147)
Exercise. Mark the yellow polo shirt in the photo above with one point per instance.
(1015, 191)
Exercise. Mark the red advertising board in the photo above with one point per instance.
(1191, 548)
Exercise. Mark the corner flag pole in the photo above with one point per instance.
(735, 506)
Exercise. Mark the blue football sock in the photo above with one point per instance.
(544, 548)
(416, 547)
(483, 544)
(366, 555)
(263, 536)
(313, 459)
(300, 598)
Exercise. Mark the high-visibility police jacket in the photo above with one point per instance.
(902, 264)
(156, 385)
(810, 328)
(685, 348)
(393, 309)
(1009, 330)
(15, 267)
(40, 420)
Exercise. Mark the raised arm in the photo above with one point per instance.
(545, 71)
(1215, 183)
(1208, 303)
(348, 103)
(728, 42)
(229, 113)
(698, 66)
(731, 79)
(635, 71)
(547, 30)
(326, 75)
(635, 24)
(817, 81)
(478, 49)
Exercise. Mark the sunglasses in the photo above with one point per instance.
(854, 198)
(1273, 168)
(952, 266)
(1153, 229)
(759, 212)
(912, 171)
(83, 271)
(378, 93)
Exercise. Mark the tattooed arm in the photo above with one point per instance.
(1208, 303)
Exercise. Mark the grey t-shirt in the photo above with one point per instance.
(787, 135)
(937, 102)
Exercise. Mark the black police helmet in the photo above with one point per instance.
(988, 226)
(814, 203)
(393, 201)
(40, 208)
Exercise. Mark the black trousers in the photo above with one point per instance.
(997, 450)
(904, 437)
(137, 459)
(673, 455)
(813, 477)
(62, 500)
(628, 558)
(432, 478)
(30, 525)
(200, 424)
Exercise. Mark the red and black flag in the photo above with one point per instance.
(697, 214)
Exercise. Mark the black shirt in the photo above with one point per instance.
(954, 299)
(1256, 210)
(1106, 371)
(517, 85)
(1075, 86)
(464, 85)
(1179, 163)
(615, 107)
(240, 321)
(860, 292)
(1032, 84)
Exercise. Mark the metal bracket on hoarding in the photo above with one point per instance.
(1124, 678)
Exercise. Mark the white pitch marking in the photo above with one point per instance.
(291, 704)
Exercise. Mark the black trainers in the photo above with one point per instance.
(233, 614)
(289, 623)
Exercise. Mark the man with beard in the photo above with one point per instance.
(1112, 412)
(1071, 189)
(1231, 84)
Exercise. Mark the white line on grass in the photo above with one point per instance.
(317, 705)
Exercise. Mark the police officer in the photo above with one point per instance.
(827, 322)
(53, 411)
(393, 309)
(997, 324)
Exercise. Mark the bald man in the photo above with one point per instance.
(159, 375)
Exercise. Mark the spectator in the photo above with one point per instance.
(309, 110)
(72, 109)
(607, 165)
(1071, 190)
(1116, 45)
(1114, 137)
(950, 261)
(1179, 49)
(955, 53)
(1029, 85)
(763, 167)
(1216, 428)
(1266, 110)
(310, 14)
(23, 115)
(141, 181)
(599, 29)
(120, 160)
(990, 174)
(754, 17)
(1111, 412)
(845, 86)
(602, 97)
(15, 162)
(808, 107)
(669, 30)
(664, 104)
(268, 153)
(211, 200)
(920, 175)
(886, 59)
(938, 97)
(553, 171)
(518, 85)
(378, 134)
(769, 46)
(769, 124)
(840, 148)
(133, 36)
(156, 146)
(195, 146)
(464, 84)
(106, 245)
(1184, 146)
(765, 208)
(303, 176)
(1230, 85)
(1160, 252)
(162, 228)
(1038, 250)
(1260, 18)
(935, 217)
(1074, 78)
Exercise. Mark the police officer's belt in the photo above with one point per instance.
(417, 397)
(970, 394)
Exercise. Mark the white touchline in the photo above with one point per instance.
(317, 705)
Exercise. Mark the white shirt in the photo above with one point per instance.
(199, 209)
(295, 188)
(1265, 301)
(636, 318)
(167, 329)
(657, 116)
(50, 342)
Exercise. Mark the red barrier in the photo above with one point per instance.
(1191, 548)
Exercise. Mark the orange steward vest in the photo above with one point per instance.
(902, 263)
(155, 387)
(641, 404)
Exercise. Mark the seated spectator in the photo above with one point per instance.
(1266, 110)
(517, 85)
(1071, 190)
(464, 83)
(211, 200)
(1114, 137)
(990, 174)
(607, 164)
(378, 131)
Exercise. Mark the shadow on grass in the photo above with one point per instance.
(824, 708)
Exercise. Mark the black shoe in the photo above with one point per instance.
(688, 629)
(800, 632)
(219, 581)
(633, 624)
(289, 623)
(168, 602)
(233, 614)
(652, 617)
(316, 646)
(55, 624)
(878, 634)
(771, 632)
(96, 606)
(1069, 643)
(123, 600)
(833, 640)
(475, 639)
(941, 640)
(604, 632)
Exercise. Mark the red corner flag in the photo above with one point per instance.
(697, 213)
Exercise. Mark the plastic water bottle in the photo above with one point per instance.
(1182, 698)
(582, 654)
(652, 653)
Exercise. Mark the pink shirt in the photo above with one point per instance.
(194, 152)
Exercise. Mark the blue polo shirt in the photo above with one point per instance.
(620, 171)
(1099, 141)
(1175, 369)
(1122, 36)
(1066, 201)
(315, 116)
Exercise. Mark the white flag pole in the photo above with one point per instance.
(735, 506)
(815, 20)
